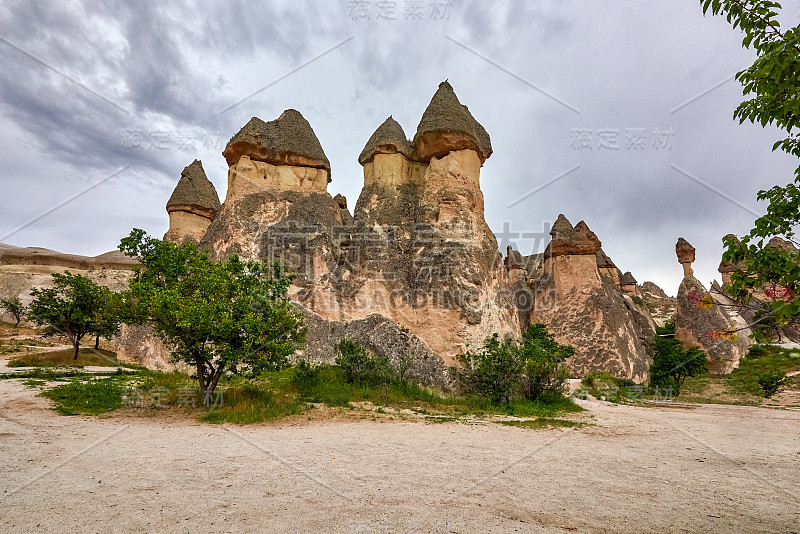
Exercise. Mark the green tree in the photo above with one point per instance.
(217, 316)
(70, 307)
(545, 372)
(493, 371)
(108, 315)
(773, 87)
(14, 306)
(672, 364)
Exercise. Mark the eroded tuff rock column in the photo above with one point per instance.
(701, 322)
(608, 330)
(685, 252)
(193, 205)
(435, 265)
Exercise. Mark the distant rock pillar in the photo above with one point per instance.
(628, 284)
(685, 252)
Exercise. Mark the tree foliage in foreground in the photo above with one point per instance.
(218, 316)
(502, 370)
(772, 84)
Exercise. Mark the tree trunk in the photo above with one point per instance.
(199, 362)
(77, 345)
(97, 342)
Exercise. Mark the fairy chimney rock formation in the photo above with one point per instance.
(608, 330)
(193, 205)
(421, 212)
(685, 253)
(628, 284)
(701, 322)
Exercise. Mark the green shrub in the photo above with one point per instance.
(545, 375)
(305, 376)
(756, 351)
(359, 366)
(590, 378)
(672, 364)
(494, 371)
(668, 328)
(771, 382)
(532, 368)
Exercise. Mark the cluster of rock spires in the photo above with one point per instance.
(414, 271)
(415, 267)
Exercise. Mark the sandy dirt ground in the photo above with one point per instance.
(708, 468)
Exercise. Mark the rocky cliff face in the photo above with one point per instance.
(609, 331)
(660, 305)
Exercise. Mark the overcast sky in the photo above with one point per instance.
(617, 112)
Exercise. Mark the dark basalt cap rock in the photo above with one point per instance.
(389, 138)
(603, 261)
(684, 251)
(194, 193)
(569, 241)
(627, 279)
(288, 140)
(447, 125)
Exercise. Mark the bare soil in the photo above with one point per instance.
(692, 468)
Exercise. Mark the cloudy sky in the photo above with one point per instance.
(615, 112)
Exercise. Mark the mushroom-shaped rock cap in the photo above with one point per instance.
(389, 138)
(194, 193)
(603, 261)
(627, 279)
(569, 241)
(780, 244)
(684, 251)
(288, 140)
(447, 125)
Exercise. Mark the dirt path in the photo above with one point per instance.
(700, 469)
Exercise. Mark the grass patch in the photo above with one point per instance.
(87, 397)
(541, 423)
(761, 361)
(268, 397)
(65, 358)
